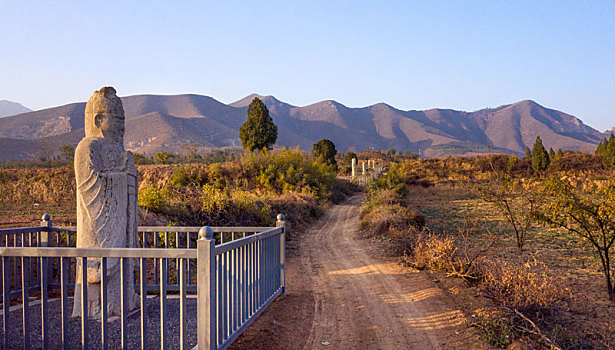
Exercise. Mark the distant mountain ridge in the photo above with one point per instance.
(172, 122)
(10, 108)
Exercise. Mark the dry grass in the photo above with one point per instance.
(585, 320)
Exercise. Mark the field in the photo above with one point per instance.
(447, 208)
(448, 217)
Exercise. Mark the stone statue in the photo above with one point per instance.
(106, 201)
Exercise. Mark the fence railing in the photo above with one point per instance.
(234, 280)
(359, 179)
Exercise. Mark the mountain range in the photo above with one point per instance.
(9, 108)
(173, 122)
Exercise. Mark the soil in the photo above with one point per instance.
(344, 292)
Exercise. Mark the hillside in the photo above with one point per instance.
(9, 108)
(156, 122)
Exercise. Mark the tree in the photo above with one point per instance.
(391, 152)
(560, 153)
(348, 158)
(259, 131)
(528, 153)
(68, 152)
(551, 153)
(602, 147)
(324, 150)
(589, 215)
(608, 157)
(516, 200)
(163, 157)
(540, 157)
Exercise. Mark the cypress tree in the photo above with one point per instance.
(560, 153)
(551, 153)
(528, 154)
(259, 131)
(324, 150)
(608, 158)
(540, 157)
(602, 147)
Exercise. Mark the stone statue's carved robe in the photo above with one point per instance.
(106, 216)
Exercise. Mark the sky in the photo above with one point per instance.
(464, 55)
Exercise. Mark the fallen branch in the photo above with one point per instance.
(536, 331)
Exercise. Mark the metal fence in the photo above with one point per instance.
(359, 179)
(234, 273)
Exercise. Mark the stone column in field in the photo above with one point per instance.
(106, 202)
(354, 168)
(364, 172)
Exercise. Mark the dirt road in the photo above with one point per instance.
(342, 294)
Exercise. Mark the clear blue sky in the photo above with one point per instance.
(410, 54)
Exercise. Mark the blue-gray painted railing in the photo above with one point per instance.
(236, 273)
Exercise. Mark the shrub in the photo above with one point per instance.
(290, 171)
(525, 287)
(383, 219)
(434, 253)
(154, 199)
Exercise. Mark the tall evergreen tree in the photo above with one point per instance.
(528, 153)
(324, 150)
(602, 146)
(540, 157)
(551, 153)
(259, 131)
(560, 153)
(608, 158)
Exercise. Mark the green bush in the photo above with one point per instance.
(154, 199)
(290, 171)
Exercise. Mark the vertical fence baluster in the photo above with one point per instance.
(5, 300)
(15, 266)
(104, 301)
(253, 278)
(189, 270)
(143, 290)
(163, 302)
(219, 317)
(206, 290)
(225, 293)
(64, 300)
(242, 263)
(84, 302)
(233, 286)
(25, 296)
(166, 246)
(44, 307)
(124, 282)
(156, 270)
(182, 303)
(260, 274)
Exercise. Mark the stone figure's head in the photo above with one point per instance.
(104, 116)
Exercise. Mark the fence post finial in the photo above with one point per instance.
(280, 221)
(206, 232)
(46, 220)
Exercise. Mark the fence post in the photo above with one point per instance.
(206, 289)
(46, 227)
(43, 241)
(281, 223)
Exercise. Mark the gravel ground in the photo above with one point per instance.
(94, 334)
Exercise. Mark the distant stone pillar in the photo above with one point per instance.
(364, 168)
(354, 168)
